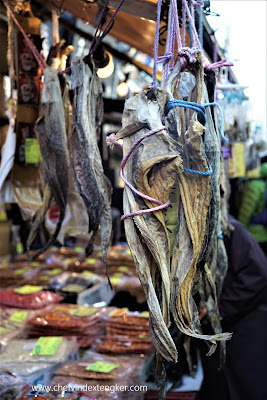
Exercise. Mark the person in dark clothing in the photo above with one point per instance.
(243, 308)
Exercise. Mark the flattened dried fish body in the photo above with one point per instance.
(139, 110)
(213, 154)
(53, 144)
(159, 332)
(154, 175)
(81, 154)
(95, 108)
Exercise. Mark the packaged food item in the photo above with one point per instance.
(11, 388)
(32, 297)
(42, 350)
(126, 333)
(84, 322)
(7, 334)
(15, 317)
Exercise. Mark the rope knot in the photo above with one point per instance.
(166, 57)
(110, 140)
(199, 3)
(188, 52)
(222, 63)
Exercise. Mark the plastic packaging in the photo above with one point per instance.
(25, 350)
(86, 323)
(126, 334)
(11, 388)
(35, 300)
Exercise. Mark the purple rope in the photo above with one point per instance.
(173, 43)
(98, 24)
(192, 23)
(111, 141)
(156, 46)
(106, 28)
(167, 57)
(222, 63)
(193, 19)
(183, 27)
(166, 63)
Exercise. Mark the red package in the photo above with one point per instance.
(35, 300)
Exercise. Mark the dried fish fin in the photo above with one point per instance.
(39, 217)
(133, 127)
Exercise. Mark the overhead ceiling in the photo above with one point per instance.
(134, 24)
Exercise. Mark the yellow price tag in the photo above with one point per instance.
(47, 346)
(32, 151)
(28, 289)
(144, 314)
(19, 248)
(18, 316)
(118, 312)
(100, 366)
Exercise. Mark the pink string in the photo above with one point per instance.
(111, 141)
(183, 27)
(193, 19)
(42, 64)
(192, 24)
(156, 45)
(222, 63)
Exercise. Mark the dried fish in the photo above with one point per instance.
(195, 192)
(90, 181)
(53, 144)
(153, 174)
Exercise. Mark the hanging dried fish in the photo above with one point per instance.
(53, 144)
(195, 191)
(90, 181)
(152, 169)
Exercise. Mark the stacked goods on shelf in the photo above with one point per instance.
(127, 333)
(84, 322)
(98, 369)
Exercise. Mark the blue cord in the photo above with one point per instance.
(186, 104)
(209, 172)
(219, 234)
(222, 120)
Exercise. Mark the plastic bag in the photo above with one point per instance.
(29, 301)
(11, 388)
(25, 350)
(85, 322)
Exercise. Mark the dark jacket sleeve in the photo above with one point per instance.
(245, 284)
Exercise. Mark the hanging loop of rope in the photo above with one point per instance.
(41, 62)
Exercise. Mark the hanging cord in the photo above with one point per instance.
(111, 141)
(221, 116)
(200, 24)
(156, 46)
(93, 48)
(217, 64)
(42, 64)
(100, 38)
(101, 16)
(196, 107)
